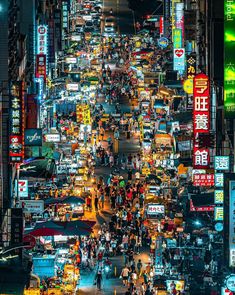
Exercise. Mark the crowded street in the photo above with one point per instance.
(118, 183)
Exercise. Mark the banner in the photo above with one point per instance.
(231, 223)
(229, 59)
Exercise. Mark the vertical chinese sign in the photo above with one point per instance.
(16, 134)
(42, 46)
(201, 119)
(229, 59)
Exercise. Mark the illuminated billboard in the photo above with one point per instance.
(229, 59)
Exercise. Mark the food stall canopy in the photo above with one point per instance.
(51, 201)
(72, 200)
(68, 228)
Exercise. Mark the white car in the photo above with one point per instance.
(109, 29)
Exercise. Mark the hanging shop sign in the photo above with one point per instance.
(222, 163)
(219, 180)
(71, 60)
(153, 209)
(201, 158)
(86, 115)
(218, 213)
(65, 16)
(16, 146)
(32, 206)
(163, 42)
(42, 32)
(52, 137)
(23, 188)
(72, 86)
(177, 38)
(230, 283)
(33, 137)
(201, 104)
(41, 66)
(191, 66)
(173, 12)
(203, 179)
(229, 59)
(219, 196)
(161, 25)
(232, 223)
(179, 60)
(179, 18)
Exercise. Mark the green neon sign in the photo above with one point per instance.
(177, 38)
(229, 59)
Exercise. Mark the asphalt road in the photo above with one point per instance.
(124, 16)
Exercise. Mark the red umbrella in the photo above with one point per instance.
(45, 232)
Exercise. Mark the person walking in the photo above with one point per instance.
(124, 275)
(96, 201)
(99, 280)
(139, 268)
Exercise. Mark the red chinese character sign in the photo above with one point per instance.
(203, 180)
(201, 119)
(201, 104)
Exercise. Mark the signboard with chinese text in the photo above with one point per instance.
(229, 59)
(219, 196)
(201, 104)
(153, 209)
(203, 179)
(52, 137)
(219, 179)
(32, 206)
(161, 25)
(232, 223)
(179, 18)
(86, 115)
(16, 130)
(218, 213)
(201, 158)
(222, 163)
(41, 66)
(191, 66)
(179, 60)
(177, 38)
(42, 44)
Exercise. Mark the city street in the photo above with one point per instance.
(117, 147)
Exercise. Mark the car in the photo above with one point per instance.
(110, 21)
(89, 24)
(79, 28)
(109, 29)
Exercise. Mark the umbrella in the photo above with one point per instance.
(44, 232)
(72, 200)
(52, 201)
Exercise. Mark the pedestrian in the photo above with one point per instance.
(139, 267)
(99, 279)
(96, 201)
(102, 131)
(124, 275)
(129, 174)
(101, 199)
